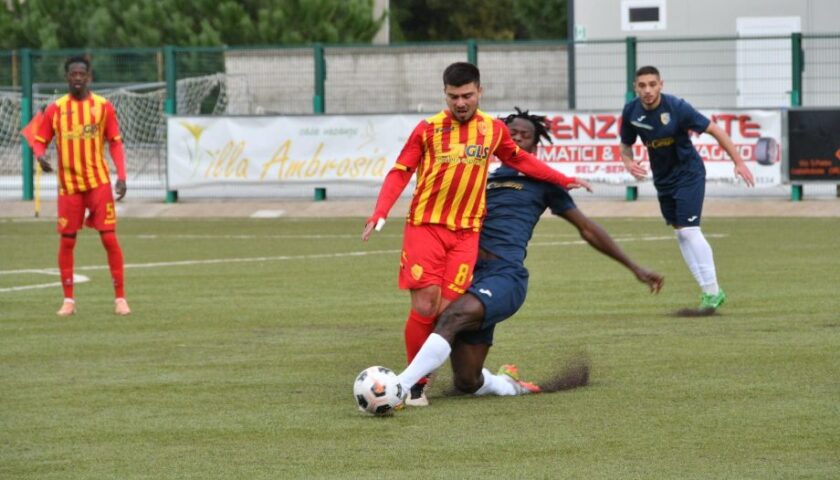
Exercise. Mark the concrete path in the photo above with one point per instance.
(714, 207)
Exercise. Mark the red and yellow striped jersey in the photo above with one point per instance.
(81, 128)
(451, 161)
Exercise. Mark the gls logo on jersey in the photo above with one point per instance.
(466, 154)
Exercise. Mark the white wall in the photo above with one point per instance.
(685, 18)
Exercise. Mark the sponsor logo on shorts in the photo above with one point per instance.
(62, 222)
(416, 271)
(692, 218)
(484, 291)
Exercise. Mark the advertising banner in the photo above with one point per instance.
(205, 150)
(292, 149)
(814, 145)
(586, 145)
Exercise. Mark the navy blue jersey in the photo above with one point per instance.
(514, 206)
(664, 131)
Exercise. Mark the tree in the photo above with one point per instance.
(541, 19)
(50, 24)
(444, 20)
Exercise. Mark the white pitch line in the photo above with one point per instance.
(76, 279)
(216, 261)
(622, 240)
(213, 261)
(249, 237)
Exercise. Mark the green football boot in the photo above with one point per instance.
(708, 300)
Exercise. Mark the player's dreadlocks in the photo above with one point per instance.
(539, 121)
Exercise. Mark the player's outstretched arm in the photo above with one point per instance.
(725, 142)
(599, 239)
(394, 184)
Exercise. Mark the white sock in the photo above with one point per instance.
(495, 385)
(432, 354)
(698, 256)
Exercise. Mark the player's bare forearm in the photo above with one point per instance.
(726, 143)
(600, 240)
(633, 166)
(597, 237)
(626, 154)
(392, 188)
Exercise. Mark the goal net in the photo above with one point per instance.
(140, 110)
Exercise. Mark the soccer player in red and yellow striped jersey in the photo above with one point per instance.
(449, 152)
(81, 122)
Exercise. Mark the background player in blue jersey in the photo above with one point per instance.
(664, 123)
(464, 331)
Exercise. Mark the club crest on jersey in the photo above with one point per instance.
(665, 118)
(416, 271)
(482, 128)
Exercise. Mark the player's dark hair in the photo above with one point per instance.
(76, 59)
(461, 73)
(540, 123)
(647, 70)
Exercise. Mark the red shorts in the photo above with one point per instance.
(435, 255)
(98, 201)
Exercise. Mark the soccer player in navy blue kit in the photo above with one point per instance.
(515, 204)
(664, 123)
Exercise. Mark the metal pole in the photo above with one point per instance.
(570, 52)
(170, 106)
(796, 94)
(25, 117)
(319, 101)
(472, 51)
(798, 67)
(630, 44)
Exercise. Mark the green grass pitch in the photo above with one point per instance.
(239, 358)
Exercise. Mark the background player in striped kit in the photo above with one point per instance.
(81, 122)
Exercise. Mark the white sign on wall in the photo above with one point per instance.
(362, 148)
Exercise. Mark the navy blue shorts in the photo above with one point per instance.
(501, 286)
(682, 206)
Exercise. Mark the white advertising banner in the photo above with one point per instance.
(206, 150)
(264, 150)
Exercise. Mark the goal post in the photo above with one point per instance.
(141, 109)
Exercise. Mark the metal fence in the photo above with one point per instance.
(147, 84)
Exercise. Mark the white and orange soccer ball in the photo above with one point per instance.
(378, 391)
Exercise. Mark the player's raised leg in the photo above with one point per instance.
(464, 313)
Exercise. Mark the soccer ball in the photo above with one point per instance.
(378, 391)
